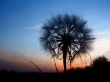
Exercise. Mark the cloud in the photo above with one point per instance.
(101, 46)
(103, 33)
(37, 27)
(107, 54)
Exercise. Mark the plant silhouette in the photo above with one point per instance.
(101, 63)
(66, 36)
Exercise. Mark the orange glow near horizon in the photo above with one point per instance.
(77, 63)
(45, 63)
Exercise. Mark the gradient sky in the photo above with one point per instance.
(20, 29)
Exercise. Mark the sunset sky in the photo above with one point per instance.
(20, 29)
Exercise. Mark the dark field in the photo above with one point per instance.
(87, 74)
(99, 70)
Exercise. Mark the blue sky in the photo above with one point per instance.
(21, 20)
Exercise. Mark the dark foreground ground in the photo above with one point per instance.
(98, 71)
(87, 74)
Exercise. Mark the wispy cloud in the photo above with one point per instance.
(101, 47)
(36, 27)
(102, 36)
(105, 32)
